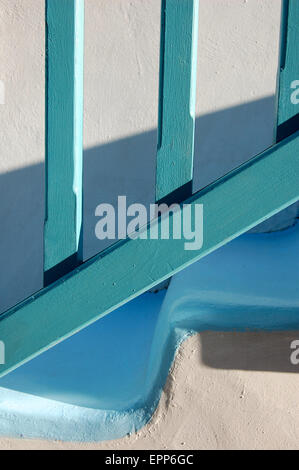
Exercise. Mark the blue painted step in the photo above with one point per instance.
(106, 381)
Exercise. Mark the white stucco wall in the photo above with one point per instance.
(238, 57)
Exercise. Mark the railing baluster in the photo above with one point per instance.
(288, 110)
(64, 146)
(178, 60)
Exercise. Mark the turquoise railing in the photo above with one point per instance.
(76, 293)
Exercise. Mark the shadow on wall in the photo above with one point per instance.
(224, 140)
(255, 351)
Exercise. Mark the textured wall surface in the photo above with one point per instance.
(238, 57)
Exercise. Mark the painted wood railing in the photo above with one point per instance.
(64, 137)
(75, 293)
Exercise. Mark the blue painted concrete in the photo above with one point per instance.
(91, 366)
(106, 381)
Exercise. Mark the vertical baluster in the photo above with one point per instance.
(64, 136)
(288, 106)
(178, 60)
